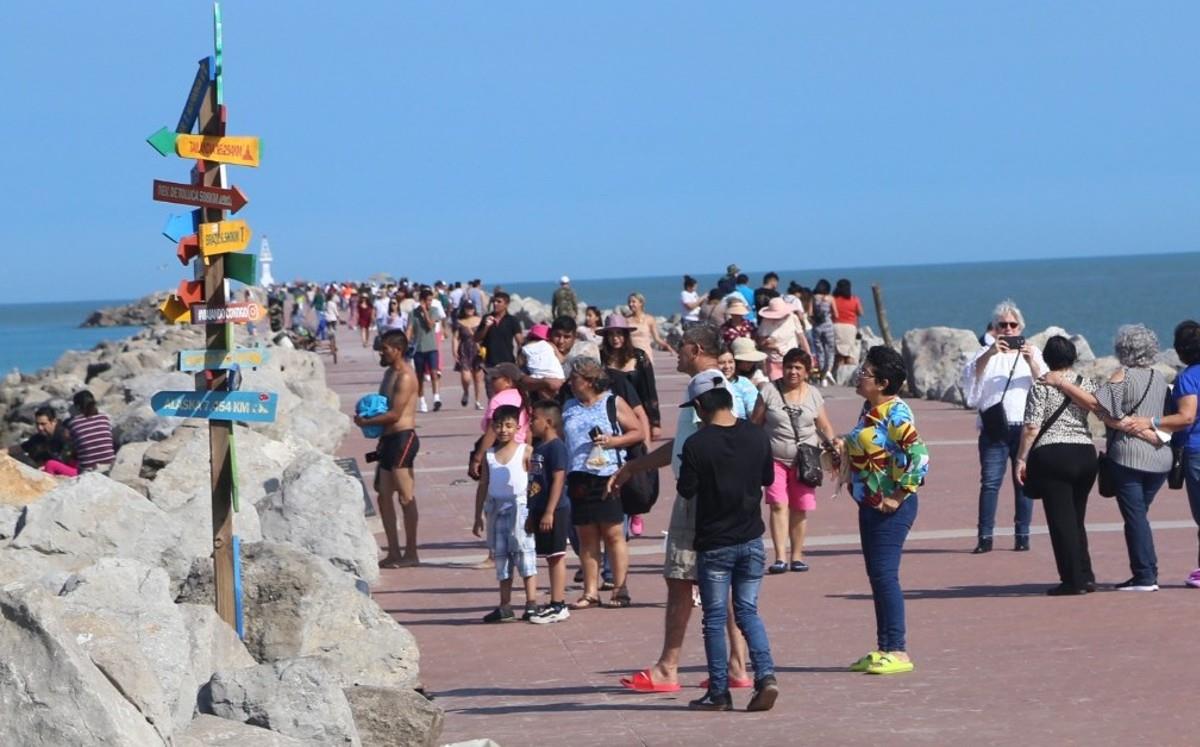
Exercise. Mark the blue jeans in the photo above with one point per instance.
(740, 566)
(1135, 492)
(1191, 480)
(994, 458)
(882, 537)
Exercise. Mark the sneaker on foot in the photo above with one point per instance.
(635, 525)
(465, 399)
(421, 406)
(556, 612)
(1194, 579)
(713, 702)
(437, 405)
(530, 611)
(766, 691)
(1135, 585)
(478, 405)
(500, 614)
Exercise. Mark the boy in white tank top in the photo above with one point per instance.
(502, 494)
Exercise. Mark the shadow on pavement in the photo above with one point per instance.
(961, 592)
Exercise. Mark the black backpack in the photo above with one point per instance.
(640, 494)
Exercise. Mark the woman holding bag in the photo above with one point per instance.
(793, 413)
(1057, 463)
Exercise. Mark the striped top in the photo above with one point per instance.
(1118, 400)
(92, 438)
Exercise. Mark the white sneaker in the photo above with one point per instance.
(551, 613)
(478, 405)
(421, 406)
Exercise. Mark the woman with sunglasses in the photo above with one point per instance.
(996, 382)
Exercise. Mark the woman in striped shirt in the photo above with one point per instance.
(91, 434)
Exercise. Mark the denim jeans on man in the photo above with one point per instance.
(1135, 492)
(996, 458)
(882, 536)
(740, 566)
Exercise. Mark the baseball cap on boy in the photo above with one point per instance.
(705, 381)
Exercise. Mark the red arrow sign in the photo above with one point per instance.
(207, 197)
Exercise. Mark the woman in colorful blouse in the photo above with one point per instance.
(888, 462)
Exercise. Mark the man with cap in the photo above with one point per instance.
(564, 302)
(729, 281)
(698, 351)
(724, 467)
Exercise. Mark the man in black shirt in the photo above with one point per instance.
(51, 441)
(769, 290)
(724, 468)
(499, 334)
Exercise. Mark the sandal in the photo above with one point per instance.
(867, 661)
(620, 598)
(607, 585)
(777, 567)
(889, 664)
(643, 682)
(585, 602)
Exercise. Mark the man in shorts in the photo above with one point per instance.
(699, 350)
(424, 329)
(397, 450)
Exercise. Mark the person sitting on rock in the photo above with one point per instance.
(49, 449)
(91, 434)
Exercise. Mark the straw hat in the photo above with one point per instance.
(737, 306)
(743, 350)
(777, 309)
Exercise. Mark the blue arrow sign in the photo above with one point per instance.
(191, 108)
(179, 226)
(249, 407)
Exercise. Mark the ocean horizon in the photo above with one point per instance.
(1091, 296)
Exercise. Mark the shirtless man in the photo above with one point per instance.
(397, 449)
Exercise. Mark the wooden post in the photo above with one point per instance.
(884, 329)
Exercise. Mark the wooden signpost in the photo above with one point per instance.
(217, 367)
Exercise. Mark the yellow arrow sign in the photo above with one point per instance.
(223, 237)
(237, 150)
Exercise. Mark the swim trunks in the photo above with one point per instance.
(398, 449)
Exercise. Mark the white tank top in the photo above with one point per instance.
(509, 480)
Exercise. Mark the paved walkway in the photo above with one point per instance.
(997, 661)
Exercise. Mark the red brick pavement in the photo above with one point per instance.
(997, 661)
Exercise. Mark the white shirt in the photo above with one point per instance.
(381, 310)
(541, 362)
(456, 297)
(984, 391)
(436, 312)
(686, 298)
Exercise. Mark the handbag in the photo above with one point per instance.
(640, 493)
(994, 419)
(808, 457)
(1175, 476)
(1106, 479)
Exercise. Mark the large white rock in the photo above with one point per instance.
(92, 517)
(935, 357)
(395, 717)
(319, 508)
(213, 645)
(1083, 351)
(295, 697)
(51, 694)
(214, 731)
(297, 604)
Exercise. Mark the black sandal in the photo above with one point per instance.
(585, 602)
(620, 598)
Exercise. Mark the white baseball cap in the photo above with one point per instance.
(564, 280)
(705, 381)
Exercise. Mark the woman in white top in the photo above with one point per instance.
(779, 332)
(690, 302)
(1002, 373)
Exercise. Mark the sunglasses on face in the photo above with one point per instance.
(1007, 325)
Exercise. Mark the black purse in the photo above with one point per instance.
(994, 419)
(1106, 480)
(808, 457)
(1175, 476)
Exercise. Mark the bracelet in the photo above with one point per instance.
(1155, 422)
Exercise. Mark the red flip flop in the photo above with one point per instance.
(642, 682)
(734, 683)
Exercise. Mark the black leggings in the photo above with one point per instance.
(1062, 476)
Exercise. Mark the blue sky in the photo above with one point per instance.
(518, 141)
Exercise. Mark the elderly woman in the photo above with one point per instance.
(1138, 463)
(736, 324)
(888, 463)
(597, 427)
(793, 414)
(997, 381)
(779, 333)
(1181, 422)
(1057, 463)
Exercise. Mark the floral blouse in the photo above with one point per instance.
(731, 331)
(886, 453)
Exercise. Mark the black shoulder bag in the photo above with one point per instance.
(808, 457)
(640, 493)
(995, 421)
(1042, 431)
(1106, 480)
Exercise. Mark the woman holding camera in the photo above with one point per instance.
(996, 382)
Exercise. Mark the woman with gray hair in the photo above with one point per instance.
(996, 382)
(1139, 463)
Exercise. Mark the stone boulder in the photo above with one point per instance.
(934, 357)
(213, 731)
(92, 517)
(143, 311)
(295, 697)
(1083, 351)
(127, 469)
(319, 508)
(395, 717)
(21, 484)
(297, 604)
(50, 690)
(530, 311)
(213, 645)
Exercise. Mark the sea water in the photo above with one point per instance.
(34, 335)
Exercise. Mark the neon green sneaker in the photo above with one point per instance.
(864, 663)
(889, 664)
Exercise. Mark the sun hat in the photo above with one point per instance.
(776, 309)
(564, 280)
(737, 306)
(743, 350)
(510, 371)
(705, 381)
(539, 332)
(616, 323)
(732, 270)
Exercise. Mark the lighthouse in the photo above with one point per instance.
(264, 261)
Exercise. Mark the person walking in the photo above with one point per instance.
(1057, 463)
(564, 302)
(689, 303)
(365, 312)
(424, 327)
(823, 316)
(845, 329)
(723, 469)
(467, 359)
(779, 332)
(888, 464)
(996, 382)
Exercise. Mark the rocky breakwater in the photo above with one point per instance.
(140, 313)
(107, 631)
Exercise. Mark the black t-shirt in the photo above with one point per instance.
(724, 470)
(499, 341)
(763, 296)
(548, 457)
(56, 447)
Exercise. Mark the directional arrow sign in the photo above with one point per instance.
(190, 291)
(242, 267)
(179, 226)
(175, 310)
(187, 248)
(238, 150)
(191, 108)
(250, 407)
(234, 313)
(215, 360)
(223, 237)
(208, 197)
